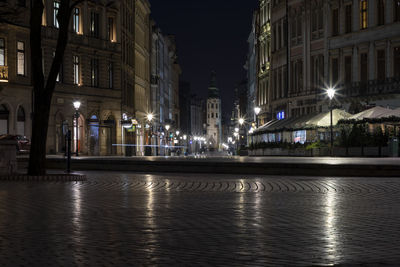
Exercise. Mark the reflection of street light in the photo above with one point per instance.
(77, 105)
(257, 111)
(331, 94)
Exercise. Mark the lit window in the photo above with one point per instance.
(56, 7)
(2, 52)
(363, 14)
(75, 18)
(111, 31)
(76, 70)
(20, 58)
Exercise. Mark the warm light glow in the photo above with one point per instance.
(77, 105)
(150, 117)
(241, 121)
(331, 93)
(257, 110)
(167, 127)
(177, 133)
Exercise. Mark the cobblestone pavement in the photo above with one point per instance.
(117, 219)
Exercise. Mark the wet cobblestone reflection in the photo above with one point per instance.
(117, 219)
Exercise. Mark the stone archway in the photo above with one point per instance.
(60, 134)
(109, 131)
(93, 136)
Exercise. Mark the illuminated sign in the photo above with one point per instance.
(280, 115)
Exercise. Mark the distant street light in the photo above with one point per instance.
(241, 121)
(331, 94)
(167, 127)
(149, 149)
(77, 105)
(177, 133)
(257, 111)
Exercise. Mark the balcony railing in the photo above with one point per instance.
(3, 73)
(371, 88)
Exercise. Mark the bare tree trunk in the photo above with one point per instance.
(43, 92)
(37, 157)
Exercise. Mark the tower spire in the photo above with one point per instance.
(213, 91)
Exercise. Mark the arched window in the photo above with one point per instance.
(4, 113)
(21, 121)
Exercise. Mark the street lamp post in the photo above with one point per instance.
(150, 120)
(331, 94)
(167, 127)
(241, 122)
(77, 105)
(257, 111)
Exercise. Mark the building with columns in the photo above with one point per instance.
(351, 45)
(90, 73)
(214, 115)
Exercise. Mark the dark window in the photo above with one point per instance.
(381, 12)
(381, 65)
(396, 10)
(60, 72)
(364, 67)
(396, 61)
(21, 3)
(110, 75)
(320, 19)
(94, 24)
(335, 71)
(347, 69)
(349, 18)
(94, 66)
(335, 22)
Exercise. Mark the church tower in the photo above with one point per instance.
(214, 127)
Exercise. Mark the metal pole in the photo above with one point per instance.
(331, 131)
(77, 133)
(68, 148)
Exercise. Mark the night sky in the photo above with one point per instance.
(211, 35)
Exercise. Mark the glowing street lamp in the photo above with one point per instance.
(77, 105)
(177, 133)
(150, 117)
(331, 94)
(241, 121)
(257, 111)
(167, 127)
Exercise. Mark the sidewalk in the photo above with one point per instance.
(321, 166)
